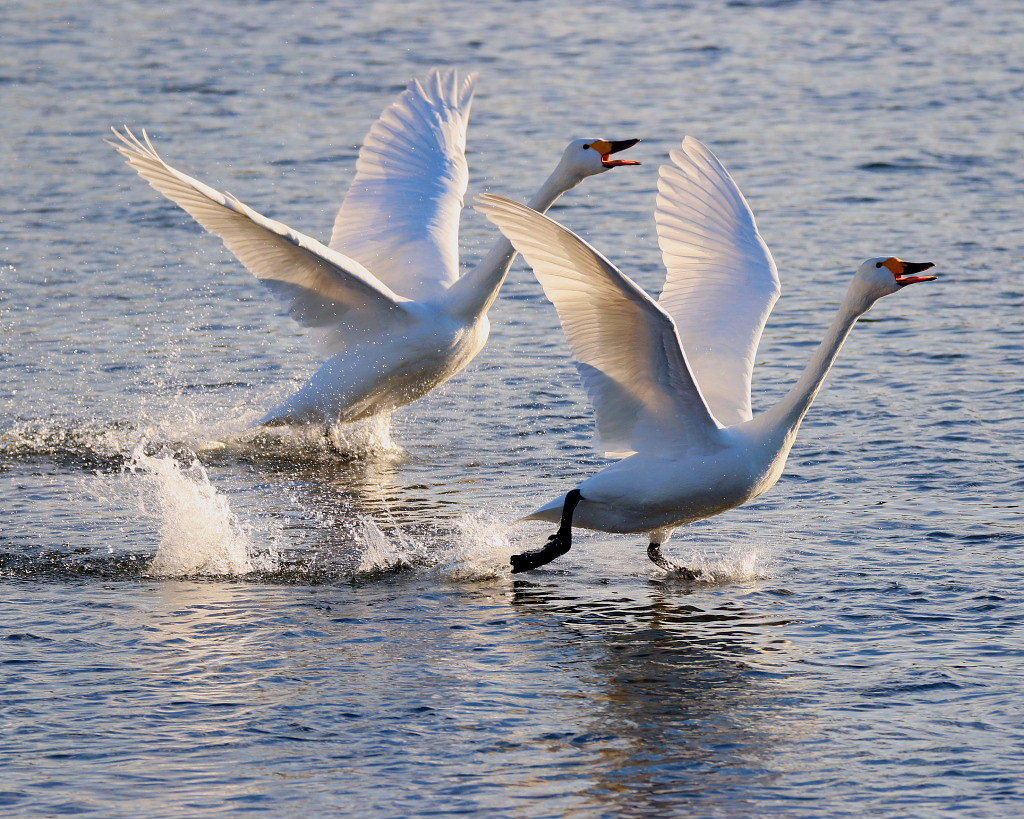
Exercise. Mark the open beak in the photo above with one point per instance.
(607, 147)
(905, 271)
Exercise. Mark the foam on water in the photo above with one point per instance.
(370, 436)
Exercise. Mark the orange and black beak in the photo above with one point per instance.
(904, 271)
(607, 147)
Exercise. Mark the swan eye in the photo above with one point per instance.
(878, 264)
(585, 147)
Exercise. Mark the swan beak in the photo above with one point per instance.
(607, 147)
(904, 271)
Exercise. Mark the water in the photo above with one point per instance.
(269, 626)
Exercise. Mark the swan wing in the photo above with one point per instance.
(722, 282)
(321, 288)
(626, 347)
(400, 217)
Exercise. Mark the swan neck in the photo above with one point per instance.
(787, 415)
(474, 293)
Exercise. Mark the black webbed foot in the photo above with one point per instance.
(555, 547)
(654, 553)
(558, 544)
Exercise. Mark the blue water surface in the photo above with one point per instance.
(346, 641)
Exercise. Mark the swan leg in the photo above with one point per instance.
(558, 544)
(662, 562)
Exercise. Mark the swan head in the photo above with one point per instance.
(586, 157)
(885, 275)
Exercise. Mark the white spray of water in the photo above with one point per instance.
(477, 546)
(738, 562)
(234, 431)
(480, 548)
(382, 551)
(46, 436)
(199, 534)
(474, 547)
(369, 437)
(213, 430)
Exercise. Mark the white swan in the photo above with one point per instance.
(384, 301)
(670, 380)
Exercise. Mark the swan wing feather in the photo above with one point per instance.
(722, 281)
(400, 217)
(626, 347)
(321, 289)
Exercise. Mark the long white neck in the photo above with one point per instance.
(474, 293)
(786, 416)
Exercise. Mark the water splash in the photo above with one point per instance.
(480, 548)
(370, 437)
(475, 546)
(383, 552)
(229, 435)
(199, 534)
(737, 562)
(478, 545)
(88, 444)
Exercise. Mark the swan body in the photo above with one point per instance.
(670, 379)
(375, 375)
(648, 493)
(383, 301)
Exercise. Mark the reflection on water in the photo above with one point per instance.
(692, 703)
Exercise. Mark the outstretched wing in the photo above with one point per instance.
(400, 217)
(321, 288)
(626, 346)
(722, 282)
